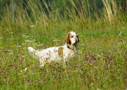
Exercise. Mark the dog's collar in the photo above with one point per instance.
(68, 47)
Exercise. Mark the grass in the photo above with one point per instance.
(101, 64)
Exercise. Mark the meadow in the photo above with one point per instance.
(102, 61)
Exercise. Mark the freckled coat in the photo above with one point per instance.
(57, 54)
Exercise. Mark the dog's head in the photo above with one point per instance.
(71, 38)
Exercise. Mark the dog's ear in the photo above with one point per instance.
(67, 38)
(78, 39)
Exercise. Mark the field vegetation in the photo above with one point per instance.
(102, 61)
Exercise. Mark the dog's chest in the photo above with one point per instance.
(67, 53)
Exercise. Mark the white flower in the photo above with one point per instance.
(99, 55)
(25, 69)
(21, 71)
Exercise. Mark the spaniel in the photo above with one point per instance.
(57, 54)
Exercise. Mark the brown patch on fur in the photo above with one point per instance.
(67, 38)
(60, 51)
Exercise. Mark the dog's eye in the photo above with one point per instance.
(72, 36)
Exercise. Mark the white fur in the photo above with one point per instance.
(51, 54)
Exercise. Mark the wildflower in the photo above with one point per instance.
(87, 73)
(111, 62)
(81, 79)
(109, 65)
(2, 74)
(104, 57)
(25, 69)
(0, 43)
(98, 55)
(73, 70)
(53, 76)
(82, 44)
(21, 71)
(77, 66)
(12, 82)
(91, 64)
(83, 48)
(65, 71)
(48, 64)
(116, 70)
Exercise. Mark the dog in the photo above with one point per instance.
(57, 54)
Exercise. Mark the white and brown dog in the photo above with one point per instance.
(56, 54)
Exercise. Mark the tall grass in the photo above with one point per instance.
(102, 49)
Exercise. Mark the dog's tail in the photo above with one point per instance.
(30, 49)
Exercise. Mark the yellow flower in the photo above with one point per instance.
(45, 62)
(120, 80)
(65, 71)
(73, 70)
(91, 64)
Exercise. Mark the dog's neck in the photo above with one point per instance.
(72, 47)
